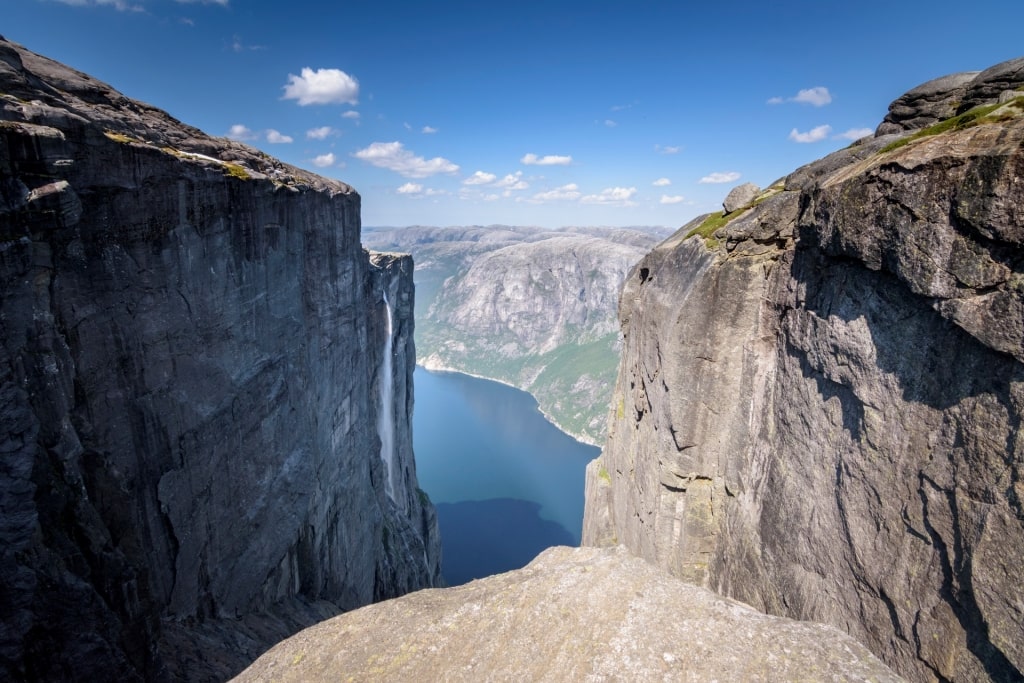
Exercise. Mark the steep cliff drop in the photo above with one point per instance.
(191, 350)
(819, 404)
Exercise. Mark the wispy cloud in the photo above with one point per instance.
(673, 199)
(513, 181)
(240, 132)
(668, 149)
(321, 133)
(416, 190)
(564, 193)
(720, 177)
(428, 130)
(351, 114)
(816, 134)
(612, 196)
(856, 133)
(480, 178)
(276, 138)
(548, 160)
(238, 46)
(222, 3)
(610, 123)
(323, 86)
(119, 5)
(394, 157)
(662, 182)
(818, 96)
(324, 160)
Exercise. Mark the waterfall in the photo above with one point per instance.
(386, 416)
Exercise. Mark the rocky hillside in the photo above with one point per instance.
(573, 614)
(190, 384)
(530, 307)
(819, 404)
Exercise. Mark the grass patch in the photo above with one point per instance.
(117, 137)
(236, 171)
(711, 224)
(603, 475)
(972, 117)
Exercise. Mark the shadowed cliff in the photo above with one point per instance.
(819, 404)
(190, 379)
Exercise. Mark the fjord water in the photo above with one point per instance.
(505, 481)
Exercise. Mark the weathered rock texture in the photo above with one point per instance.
(531, 307)
(189, 382)
(820, 414)
(573, 614)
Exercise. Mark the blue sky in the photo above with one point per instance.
(532, 112)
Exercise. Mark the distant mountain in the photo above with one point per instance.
(528, 306)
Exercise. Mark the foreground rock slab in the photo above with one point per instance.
(572, 614)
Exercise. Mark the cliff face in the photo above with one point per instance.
(818, 408)
(531, 307)
(190, 380)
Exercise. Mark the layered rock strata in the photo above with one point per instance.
(189, 384)
(819, 404)
(573, 614)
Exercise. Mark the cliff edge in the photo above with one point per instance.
(195, 461)
(819, 403)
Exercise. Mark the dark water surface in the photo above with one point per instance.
(506, 482)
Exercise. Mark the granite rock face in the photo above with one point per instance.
(819, 413)
(189, 387)
(573, 614)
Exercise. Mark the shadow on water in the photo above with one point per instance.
(487, 537)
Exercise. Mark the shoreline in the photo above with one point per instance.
(434, 366)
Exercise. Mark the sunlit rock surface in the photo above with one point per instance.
(818, 408)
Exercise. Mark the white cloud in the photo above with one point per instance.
(668, 149)
(549, 160)
(565, 192)
(222, 3)
(662, 182)
(818, 96)
(611, 196)
(238, 46)
(277, 138)
(513, 181)
(323, 86)
(321, 133)
(610, 123)
(674, 199)
(394, 157)
(813, 135)
(480, 178)
(324, 160)
(417, 191)
(427, 130)
(351, 114)
(720, 177)
(856, 133)
(240, 132)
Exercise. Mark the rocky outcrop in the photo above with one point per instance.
(530, 307)
(572, 614)
(189, 385)
(818, 408)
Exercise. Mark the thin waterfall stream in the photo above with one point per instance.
(386, 415)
